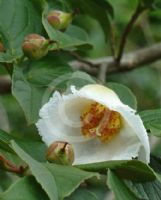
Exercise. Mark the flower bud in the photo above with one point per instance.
(35, 46)
(2, 49)
(60, 153)
(59, 20)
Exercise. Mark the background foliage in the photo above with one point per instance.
(97, 25)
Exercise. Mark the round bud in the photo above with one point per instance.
(35, 46)
(60, 153)
(59, 20)
(2, 49)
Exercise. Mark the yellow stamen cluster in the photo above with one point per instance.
(99, 121)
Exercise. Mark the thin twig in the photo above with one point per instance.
(82, 60)
(10, 167)
(127, 30)
(129, 61)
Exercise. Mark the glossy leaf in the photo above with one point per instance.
(28, 96)
(58, 181)
(151, 119)
(24, 189)
(80, 79)
(33, 86)
(21, 18)
(35, 148)
(68, 39)
(124, 93)
(133, 169)
(99, 10)
(150, 189)
(71, 176)
(119, 188)
(40, 172)
(5, 141)
(147, 191)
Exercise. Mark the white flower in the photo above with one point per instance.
(96, 123)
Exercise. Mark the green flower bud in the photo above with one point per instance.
(59, 20)
(60, 153)
(35, 46)
(2, 49)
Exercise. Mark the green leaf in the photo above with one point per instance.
(151, 189)
(68, 178)
(6, 149)
(5, 141)
(80, 79)
(39, 4)
(6, 180)
(47, 70)
(56, 180)
(146, 191)
(35, 148)
(82, 194)
(98, 187)
(106, 5)
(133, 169)
(151, 120)
(7, 57)
(24, 189)
(124, 93)
(33, 83)
(125, 189)
(41, 173)
(68, 39)
(17, 19)
(147, 3)
(119, 188)
(99, 10)
(28, 96)
(155, 163)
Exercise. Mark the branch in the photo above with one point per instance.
(129, 61)
(10, 167)
(127, 30)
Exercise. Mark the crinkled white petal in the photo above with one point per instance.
(60, 121)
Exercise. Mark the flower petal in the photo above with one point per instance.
(61, 122)
(136, 124)
(60, 119)
(124, 146)
(107, 97)
(102, 95)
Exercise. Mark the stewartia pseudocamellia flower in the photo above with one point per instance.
(96, 124)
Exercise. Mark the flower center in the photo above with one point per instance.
(99, 121)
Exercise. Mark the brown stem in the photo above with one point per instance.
(80, 59)
(128, 62)
(127, 30)
(10, 167)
